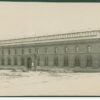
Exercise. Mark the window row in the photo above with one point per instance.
(66, 49)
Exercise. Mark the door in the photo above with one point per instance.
(77, 61)
(29, 63)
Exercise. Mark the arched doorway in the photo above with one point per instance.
(9, 61)
(29, 63)
(56, 61)
(65, 60)
(77, 61)
(89, 61)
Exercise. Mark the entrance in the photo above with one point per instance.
(29, 63)
(77, 61)
(89, 61)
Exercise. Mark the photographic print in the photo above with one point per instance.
(49, 49)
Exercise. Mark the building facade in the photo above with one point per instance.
(79, 49)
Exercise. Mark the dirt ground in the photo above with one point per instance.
(48, 83)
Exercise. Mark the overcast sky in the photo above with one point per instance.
(25, 19)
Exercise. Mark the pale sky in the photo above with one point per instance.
(27, 19)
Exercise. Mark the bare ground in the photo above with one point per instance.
(48, 83)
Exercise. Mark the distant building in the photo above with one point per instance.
(79, 49)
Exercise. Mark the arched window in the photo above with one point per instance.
(2, 61)
(65, 60)
(46, 61)
(56, 61)
(22, 61)
(89, 60)
(15, 61)
(9, 61)
(77, 61)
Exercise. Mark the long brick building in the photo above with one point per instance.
(79, 49)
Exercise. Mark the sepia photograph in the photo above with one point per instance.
(49, 49)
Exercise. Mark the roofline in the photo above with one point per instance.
(47, 35)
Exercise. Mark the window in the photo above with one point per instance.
(56, 61)
(56, 49)
(37, 50)
(89, 49)
(65, 60)
(77, 49)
